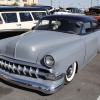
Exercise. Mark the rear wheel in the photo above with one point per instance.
(70, 73)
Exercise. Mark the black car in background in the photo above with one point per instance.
(74, 10)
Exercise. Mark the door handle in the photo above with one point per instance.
(18, 24)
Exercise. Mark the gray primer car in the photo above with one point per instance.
(48, 57)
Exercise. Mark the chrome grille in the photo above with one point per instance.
(19, 69)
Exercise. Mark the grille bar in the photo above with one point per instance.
(28, 71)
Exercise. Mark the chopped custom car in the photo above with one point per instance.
(48, 56)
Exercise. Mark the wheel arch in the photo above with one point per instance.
(76, 67)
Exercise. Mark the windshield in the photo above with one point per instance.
(61, 25)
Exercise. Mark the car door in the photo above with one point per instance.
(90, 41)
(10, 20)
(26, 20)
(96, 29)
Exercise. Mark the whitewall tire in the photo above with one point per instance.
(70, 73)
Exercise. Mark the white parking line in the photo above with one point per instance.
(98, 98)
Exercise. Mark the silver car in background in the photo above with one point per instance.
(48, 57)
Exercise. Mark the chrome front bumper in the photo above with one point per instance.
(31, 85)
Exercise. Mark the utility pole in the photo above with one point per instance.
(51, 2)
(54, 3)
(97, 2)
(91, 3)
(59, 3)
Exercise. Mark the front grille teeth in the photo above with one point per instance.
(30, 71)
(19, 69)
(9, 66)
(14, 68)
(23, 70)
(36, 73)
(2, 63)
(5, 64)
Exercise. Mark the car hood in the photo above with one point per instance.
(28, 46)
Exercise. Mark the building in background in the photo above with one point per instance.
(20, 2)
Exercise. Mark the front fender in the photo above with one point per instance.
(65, 54)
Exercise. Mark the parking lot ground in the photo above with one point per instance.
(85, 86)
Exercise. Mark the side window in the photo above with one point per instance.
(87, 27)
(9, 17)
(38, 15)
(25, 16)
(96, 26)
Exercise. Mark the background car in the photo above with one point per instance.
(94, 12)
(75, 10)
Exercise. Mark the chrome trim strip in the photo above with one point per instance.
(31, 85)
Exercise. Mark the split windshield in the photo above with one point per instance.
(61, 25)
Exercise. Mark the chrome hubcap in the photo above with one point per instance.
(70, 71)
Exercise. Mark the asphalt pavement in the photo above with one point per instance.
(85, 86)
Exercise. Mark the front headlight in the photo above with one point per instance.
(49, 61)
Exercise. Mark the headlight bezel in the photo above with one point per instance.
(45, 61)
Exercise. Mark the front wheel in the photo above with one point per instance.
(70, 73)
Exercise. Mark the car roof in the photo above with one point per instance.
(82, 18)
(17, 8)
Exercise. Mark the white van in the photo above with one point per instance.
(20, 17)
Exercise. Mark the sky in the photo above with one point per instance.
(70, 3)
